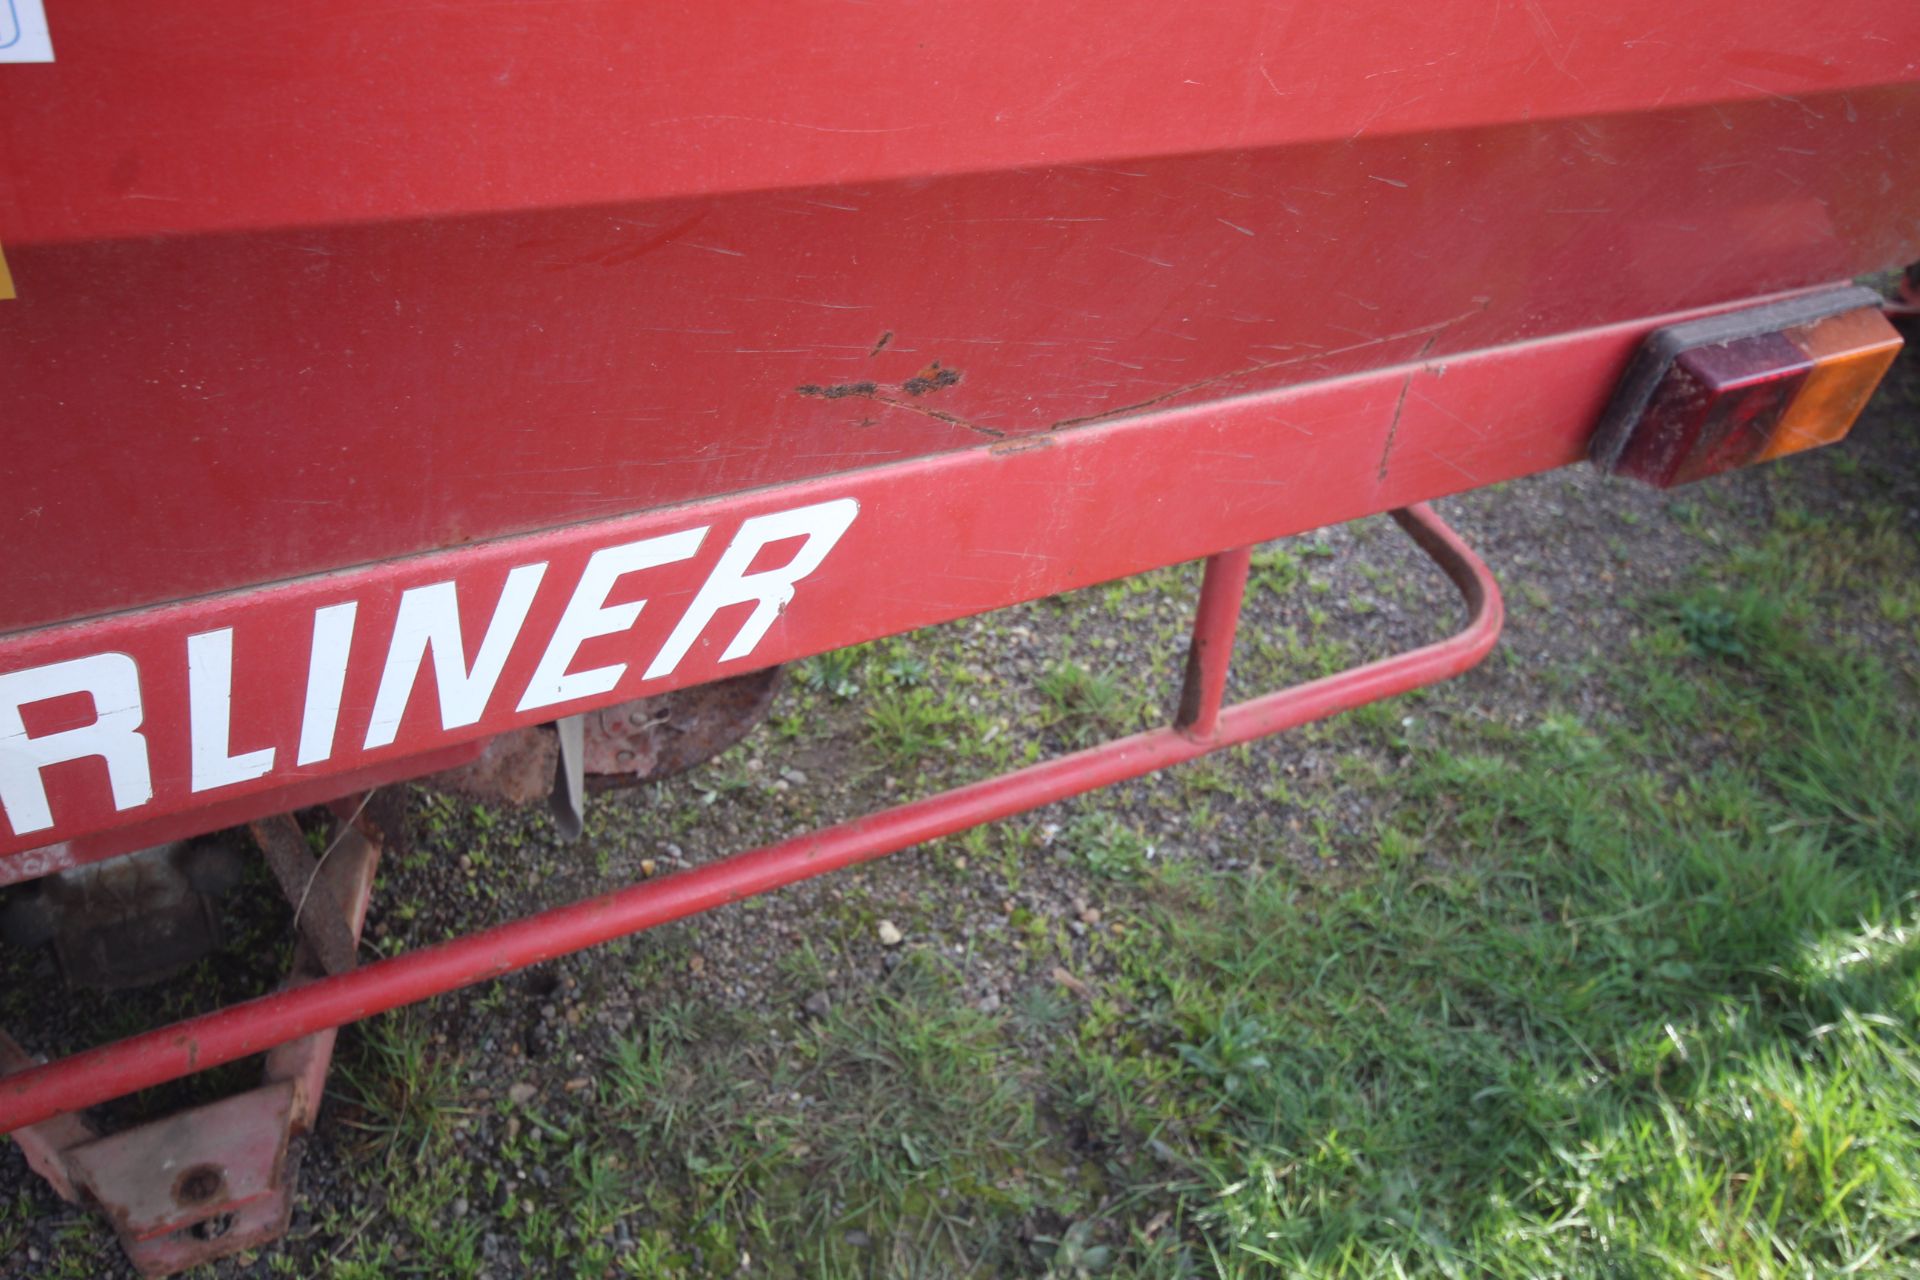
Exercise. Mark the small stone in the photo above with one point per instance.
(818, 1005)
(890, 935)
(460, 1206)
(521, 1094)
(858, 1239)
(795, 776)
(989, 1003)
(1071, 983)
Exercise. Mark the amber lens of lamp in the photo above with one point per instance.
(1851, 352)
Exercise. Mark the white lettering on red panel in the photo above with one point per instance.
(426, 644)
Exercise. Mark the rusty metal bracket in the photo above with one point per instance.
(316, 912)
(42, 1143)
(653, 738)
(219, 1179)
(569, 798)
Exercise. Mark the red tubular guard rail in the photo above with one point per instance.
(1201, 726)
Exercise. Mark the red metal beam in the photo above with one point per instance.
(209, 1040)
(290, 677)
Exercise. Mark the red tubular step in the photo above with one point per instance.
(254, 1026)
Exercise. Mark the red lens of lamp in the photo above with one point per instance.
(1714, 394)
(1714, 410)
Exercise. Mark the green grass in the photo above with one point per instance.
(906, 726)
(1084, 706)
(903, 1113)
(1646, 1006)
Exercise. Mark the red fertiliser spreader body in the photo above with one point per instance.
(505, 392)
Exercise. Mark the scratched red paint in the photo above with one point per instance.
(332, 284)
(933, 539)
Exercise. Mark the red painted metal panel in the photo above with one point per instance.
(224, 115)
(215, 813)
(933, 539)
(347, 283)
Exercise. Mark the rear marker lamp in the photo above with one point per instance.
(1710, 395)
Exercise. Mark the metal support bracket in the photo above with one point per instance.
(317, 915)
(219, 1179)
(570, 779)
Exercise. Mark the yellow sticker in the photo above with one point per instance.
(6, 278)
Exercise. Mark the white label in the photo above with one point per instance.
(23, 32)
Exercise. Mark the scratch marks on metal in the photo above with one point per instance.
(839, 390)
(621, 254)
(1399, 408)
(1150, 261)
(779, 124)
(1551, 41)
(1430, 331)
(932, 379)
(808, 302)
(1777, 96)
(1393, 428)
(1021, 445)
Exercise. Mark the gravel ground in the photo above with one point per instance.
(1571, 553)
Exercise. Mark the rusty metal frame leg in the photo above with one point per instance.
(218, 1179)
(317, 914)
(45, 1143)
(1210, 653)
(247, 1028)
